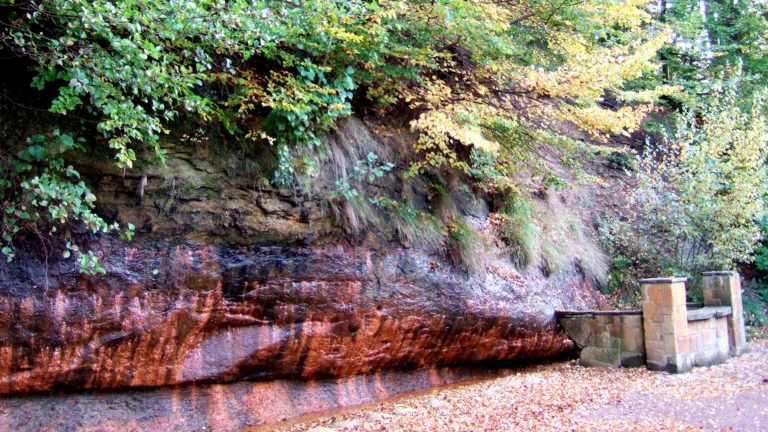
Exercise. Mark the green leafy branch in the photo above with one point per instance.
(369, 169)
(44, 196)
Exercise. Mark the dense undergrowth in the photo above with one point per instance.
(498, 96)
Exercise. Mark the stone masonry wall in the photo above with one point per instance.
(708, 341)
(677, 339)
(724, 289)
(665, 335)
(607, 338)
(665, 323)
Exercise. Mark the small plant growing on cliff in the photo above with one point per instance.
(465, 248)
(43, 198)
(414, 227)
(517, 229)
(369, 169)
(347, 202)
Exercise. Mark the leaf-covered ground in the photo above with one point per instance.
(567, 397)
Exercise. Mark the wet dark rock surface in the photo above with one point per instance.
(168, 314)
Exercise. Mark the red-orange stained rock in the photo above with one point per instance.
(217, 406)
(168, 314)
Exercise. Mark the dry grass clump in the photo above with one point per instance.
(441, 201)
(546, 234)
(346, 149)
(564, 239)
(423, 231)
(517, 229)
(466, 248)
(349, 146)
(357, 215)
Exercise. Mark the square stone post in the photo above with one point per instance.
(665, 324)
(723, 288)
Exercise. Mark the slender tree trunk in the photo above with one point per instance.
(663, 57)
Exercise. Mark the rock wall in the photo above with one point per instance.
(219, 407)
(228, 279)
(168, 314)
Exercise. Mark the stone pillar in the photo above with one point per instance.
(665, 324)
(723, 288)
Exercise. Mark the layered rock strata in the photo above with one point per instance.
(219, 407)
(174, 313)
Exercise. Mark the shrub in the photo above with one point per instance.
(700, 194)
(45, 199)
(754, 311)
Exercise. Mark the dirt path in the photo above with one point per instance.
(566, 397)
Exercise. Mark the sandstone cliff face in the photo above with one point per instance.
(171, 313)
(227, 281)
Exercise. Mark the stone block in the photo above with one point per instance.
(629, 344)
(678, 294)
(581, 329)
(603, 339)
(668, 326)
(693, 344)
(722, 328)
(676, 364)
(700, 341)
(651, 312)
(713, 288)
(723, 345)
(616, 343)
(714, 302)
(671, 346)
(655, 350)
(666, 297)
(673, 295)
(660, 366)
(652, 331)
(615, 330)
(640, 342)
(679, 363)
(600, 357)
(708, 358)
(652, 293)
(604, 319)
(628, 332)
(634, 321)
(738, 334)
(710, 337)
(712, 296)
(736, 348)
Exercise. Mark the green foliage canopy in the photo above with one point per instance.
(493, 77)
(700, 196)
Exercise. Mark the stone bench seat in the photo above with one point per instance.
(708, 312)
